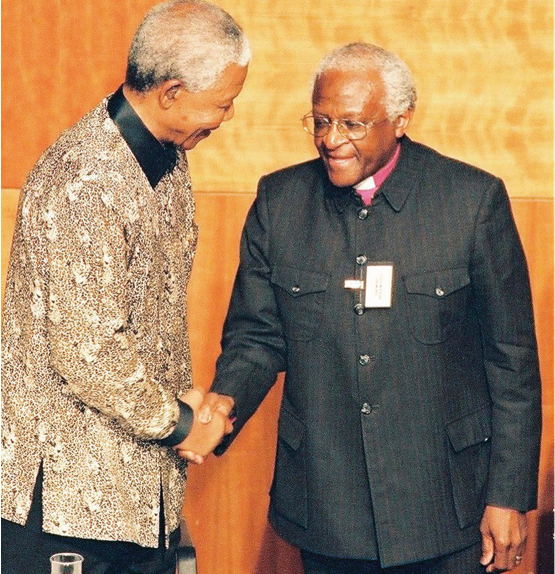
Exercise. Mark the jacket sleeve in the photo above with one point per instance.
(253, 344)
(503, 300)
(93, 346)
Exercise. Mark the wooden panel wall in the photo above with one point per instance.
(484, 71)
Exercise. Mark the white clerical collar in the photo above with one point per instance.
(366, 184)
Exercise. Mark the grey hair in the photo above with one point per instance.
(400, 89)
(188, 40)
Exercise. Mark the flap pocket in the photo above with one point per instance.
(470, 429)
(437, 283)
(299, 282)
(290, 429)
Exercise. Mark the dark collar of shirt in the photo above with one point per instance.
(154, 158)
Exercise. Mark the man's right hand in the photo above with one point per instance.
(203, 437)
(214, 403)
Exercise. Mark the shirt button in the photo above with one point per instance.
(363, 213)
(295, 288)
(366, 409)
(362, 259)
(440, 292)
(359, 309)
(364, 359)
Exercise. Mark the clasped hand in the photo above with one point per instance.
(211, 423)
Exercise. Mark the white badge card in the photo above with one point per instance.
(379, 285)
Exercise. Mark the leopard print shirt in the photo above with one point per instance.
(95, 346)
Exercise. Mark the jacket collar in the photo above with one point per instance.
(154, 158)
(396, 188)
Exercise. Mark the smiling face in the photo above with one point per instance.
(359, 96)
(190, 117)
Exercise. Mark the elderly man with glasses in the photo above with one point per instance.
(389, 283)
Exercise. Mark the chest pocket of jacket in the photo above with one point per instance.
(437, 303)
(300, 297)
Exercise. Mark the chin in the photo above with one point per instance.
(188, 145)
(342, 179)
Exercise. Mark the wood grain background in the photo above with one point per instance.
(484, 72)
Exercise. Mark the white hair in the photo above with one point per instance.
(400, 90)
(188, 40)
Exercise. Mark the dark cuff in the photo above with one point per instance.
(183, 427)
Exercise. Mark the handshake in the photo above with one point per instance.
(211, 422)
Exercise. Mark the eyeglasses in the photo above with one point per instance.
(319, 126)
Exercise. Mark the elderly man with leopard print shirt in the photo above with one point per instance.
(95, 353)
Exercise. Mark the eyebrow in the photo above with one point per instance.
(351, 119)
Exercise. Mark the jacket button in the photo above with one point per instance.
(362, 259)
(295, 288)
(359, 309)
(364, 359)
(440, 292)
(366, 409)
(363, 213)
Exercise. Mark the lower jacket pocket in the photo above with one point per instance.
(469, 454)
(289, 491)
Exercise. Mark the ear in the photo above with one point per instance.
(169, 92)
(402, 123)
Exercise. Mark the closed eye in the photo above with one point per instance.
(351, 124)
(321, 123)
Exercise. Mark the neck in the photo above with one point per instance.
(143, 105)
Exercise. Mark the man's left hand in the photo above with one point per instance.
(503, 538)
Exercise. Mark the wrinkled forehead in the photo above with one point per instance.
(347, 91)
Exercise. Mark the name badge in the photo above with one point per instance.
(378, 285)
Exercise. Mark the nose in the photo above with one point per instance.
(229, 113)
(334, 138)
